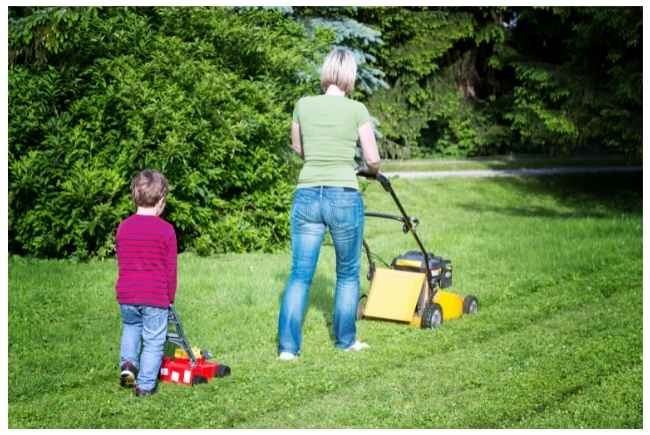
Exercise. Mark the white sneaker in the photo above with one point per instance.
(287, 356)
(357, 346)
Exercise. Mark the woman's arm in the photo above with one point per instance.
(296, 143)
(369, 146)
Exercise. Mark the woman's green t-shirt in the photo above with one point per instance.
(329, 127)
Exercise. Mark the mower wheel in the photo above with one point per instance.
(199, 380)
(361, 307)
(470, 305)
(222, 371)
(431, 316)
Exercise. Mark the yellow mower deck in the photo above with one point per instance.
(394, 295)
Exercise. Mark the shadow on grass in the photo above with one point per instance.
(532, 212)
(588, 195)
(320, 297)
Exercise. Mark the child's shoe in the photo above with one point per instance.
(287, 356)
(143, 393)
(128, 374)
(357, 346)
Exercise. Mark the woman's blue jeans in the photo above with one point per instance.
(146, 326)
(314, 209)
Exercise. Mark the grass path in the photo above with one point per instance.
(502, 162)
(555, 262)
(516, 172)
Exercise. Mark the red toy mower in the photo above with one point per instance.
(184, 367)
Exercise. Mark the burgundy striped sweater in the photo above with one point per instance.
(146, 259)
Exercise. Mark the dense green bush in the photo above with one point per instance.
(477, 81)
(578, 83)
(429, 56)
(201, 94)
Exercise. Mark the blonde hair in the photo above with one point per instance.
(340, 69)
(148, 187)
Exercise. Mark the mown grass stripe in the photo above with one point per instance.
(455, 377)
(556, 264)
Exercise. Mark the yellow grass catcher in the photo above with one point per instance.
(411, 288)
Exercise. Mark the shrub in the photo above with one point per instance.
(201, 94)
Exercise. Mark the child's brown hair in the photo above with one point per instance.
(148, 187)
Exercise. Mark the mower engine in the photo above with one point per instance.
(413, 261)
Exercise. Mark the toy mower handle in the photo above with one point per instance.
(363, 171)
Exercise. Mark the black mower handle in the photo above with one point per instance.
(383, 180)
(414, 221)
(409, 223)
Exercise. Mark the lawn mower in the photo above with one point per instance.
(186, 365)
(410, 289)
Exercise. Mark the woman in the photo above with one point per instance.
(324, 133)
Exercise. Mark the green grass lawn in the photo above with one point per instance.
(555, 262)
(501, 162)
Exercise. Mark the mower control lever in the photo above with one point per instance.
(414, 224)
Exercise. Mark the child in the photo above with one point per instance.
(146, 282)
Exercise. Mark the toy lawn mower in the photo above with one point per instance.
(184, 366)
(410, 289)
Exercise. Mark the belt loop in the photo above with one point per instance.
(321, 192)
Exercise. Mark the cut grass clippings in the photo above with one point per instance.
(556, 263)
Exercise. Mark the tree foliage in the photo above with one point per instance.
(205, 94)
(476, 81)
(578, 79)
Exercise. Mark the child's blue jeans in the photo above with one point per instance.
(314, 209)
(144, 326)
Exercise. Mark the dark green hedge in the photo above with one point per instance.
(201, 94)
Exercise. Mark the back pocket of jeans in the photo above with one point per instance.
(305, 209)
(345, 213)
